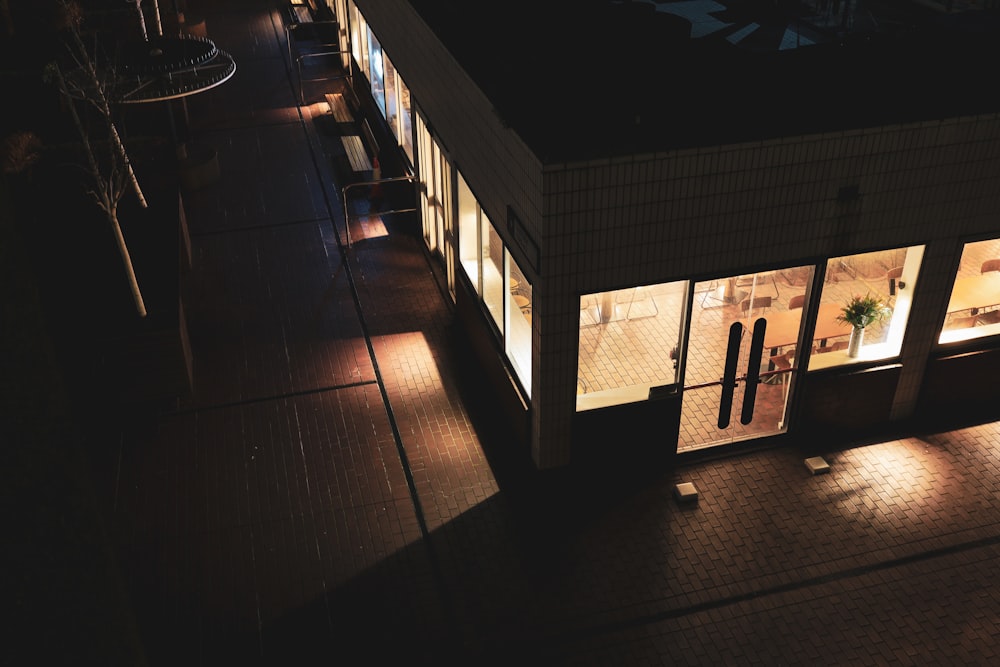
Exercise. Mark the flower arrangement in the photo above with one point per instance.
(860, 311)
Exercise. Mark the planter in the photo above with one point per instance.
(857, 338)
(199, 166)
(859, 312)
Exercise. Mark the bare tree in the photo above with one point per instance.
(113, 176)
(91, 89)
(142, 17)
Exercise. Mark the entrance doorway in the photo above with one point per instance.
(739, 365)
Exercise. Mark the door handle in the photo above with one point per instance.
(729, 374)
(753, 371)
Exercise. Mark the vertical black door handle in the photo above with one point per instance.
(753, 371)
(729, 374)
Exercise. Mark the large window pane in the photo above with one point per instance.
(359, 39)
(517, 338)
(974, 307)
(377, 76)
(358, 27)
(492, 271)
(468, 233)
(405, 118)
(890, 278)
(391, 116)
(628, 343)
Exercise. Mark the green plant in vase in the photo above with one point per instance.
(859, 312)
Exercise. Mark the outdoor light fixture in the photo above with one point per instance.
(685, 492)
(817, 465)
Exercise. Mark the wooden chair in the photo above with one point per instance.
(797, 301)
(832, 347)
(961, 322)
(757, 303)
(893, 275)
(783, 362)
(990, 265)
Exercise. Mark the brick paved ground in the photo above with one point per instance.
(333, 493)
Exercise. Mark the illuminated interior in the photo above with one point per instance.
(891, 277)
(626, 338)
(498, 280)
(974, 306)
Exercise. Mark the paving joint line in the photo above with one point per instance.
(254, 228)
(265, 399)
(591, 631)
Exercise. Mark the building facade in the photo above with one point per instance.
(685, 294)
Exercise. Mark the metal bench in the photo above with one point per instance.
(356, 153)
(338, 106)
(361, 148)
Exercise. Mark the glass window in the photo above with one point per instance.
(628, 343)
(356, 26)
(885, 279)
(727, 315)
(377, 75)
(468, 233)
(359, 39)
(391, 105)
(405, 118)
(492, 271)
(517, 338)
(974, 307)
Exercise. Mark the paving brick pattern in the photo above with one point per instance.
(333, 492)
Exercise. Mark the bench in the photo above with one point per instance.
(361, 149)
(339, 108)
(356, 153)
(299, 12)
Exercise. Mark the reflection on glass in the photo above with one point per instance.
(974, 306)
(889, 277)
(628, 343)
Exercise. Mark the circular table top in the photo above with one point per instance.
(164, 68)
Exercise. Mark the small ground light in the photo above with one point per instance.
(817, 465)
(686, 492)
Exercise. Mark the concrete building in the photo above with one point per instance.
(651, 214)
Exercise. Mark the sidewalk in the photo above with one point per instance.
(334, 492)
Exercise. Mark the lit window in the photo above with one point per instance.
(376, 75)
(468, 234)
(628, 343)
(492, 271)
(391, 105)
(879, 286)
(517, 333)
(974, 306)
(405, 118)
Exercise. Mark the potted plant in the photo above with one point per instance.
(859, 312)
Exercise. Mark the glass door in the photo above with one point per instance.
(739, 364)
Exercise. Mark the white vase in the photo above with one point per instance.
(857, 338)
